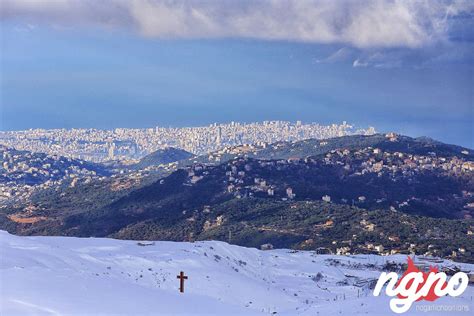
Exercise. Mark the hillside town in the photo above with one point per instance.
(244, 175)
(22, 172)
(250, 178)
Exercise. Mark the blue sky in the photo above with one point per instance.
(395, 65)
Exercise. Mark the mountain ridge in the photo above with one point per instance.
(201, 201)
(163, 156)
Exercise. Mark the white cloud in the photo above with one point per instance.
(358, 63)
(362, 24)
(387, 59)
(341, 55)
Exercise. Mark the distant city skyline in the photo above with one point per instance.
(139, 64)
(125, 144)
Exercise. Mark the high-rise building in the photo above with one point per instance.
(219, 135)
(111, 155)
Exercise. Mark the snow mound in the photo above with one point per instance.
(99, 276)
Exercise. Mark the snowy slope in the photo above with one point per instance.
(95, 276)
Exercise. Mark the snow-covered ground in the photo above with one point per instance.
(98, 276)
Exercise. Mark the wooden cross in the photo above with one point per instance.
(181, 278)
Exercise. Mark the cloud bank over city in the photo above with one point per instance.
(361, 24)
